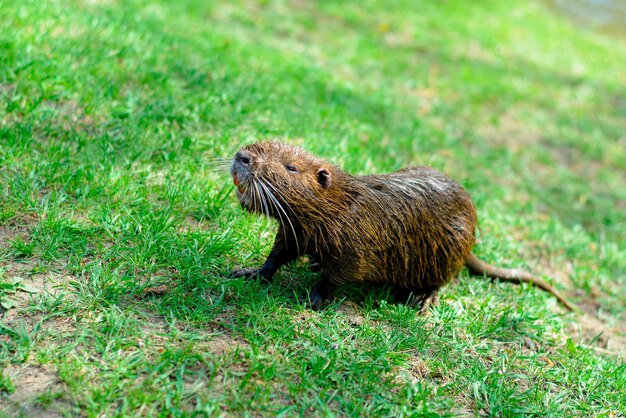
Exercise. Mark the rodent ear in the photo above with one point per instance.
(324, 178)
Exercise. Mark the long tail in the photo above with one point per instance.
(478, 267)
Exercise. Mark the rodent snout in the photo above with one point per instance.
(240, 170)
(243, 158)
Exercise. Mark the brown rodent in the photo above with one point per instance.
(412, 229)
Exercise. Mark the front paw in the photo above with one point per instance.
(247, 273)
(253, 272)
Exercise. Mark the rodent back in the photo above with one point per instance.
(414, 227)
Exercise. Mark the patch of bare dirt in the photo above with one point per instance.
(42, 283)
(219, 344)
(215, 338)
(416, 371)
(603, 338)
(192, 224)
(27, 271)
(17, 270)
(7, 87)
(219, 340)
(15, 228)
(69, 115)
(38, 392)
(591, 328)
(214, 341)
(351, 314)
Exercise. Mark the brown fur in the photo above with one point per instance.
(412, 229)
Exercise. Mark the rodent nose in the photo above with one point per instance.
(243, 158)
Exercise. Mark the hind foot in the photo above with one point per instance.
(417, 298)
(319, 293)
(428, 300)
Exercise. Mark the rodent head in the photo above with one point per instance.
(270, 175)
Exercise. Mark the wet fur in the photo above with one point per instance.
(412, 229)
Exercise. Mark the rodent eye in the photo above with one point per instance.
(291, 168)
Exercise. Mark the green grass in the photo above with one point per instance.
(111, 112)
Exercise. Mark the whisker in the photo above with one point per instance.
(263, 206)
(283, 199)
(256, 198)
(214, 164)
(281, 209)
(282, 196)
(218, 160)
(222, 168)
(262, 195)
(261, 203)
(275, 206)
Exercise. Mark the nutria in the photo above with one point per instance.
(412, 229)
